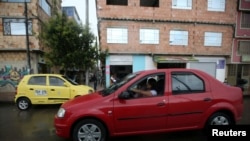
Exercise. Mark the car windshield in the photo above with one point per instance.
(70, 80)
(118, 84)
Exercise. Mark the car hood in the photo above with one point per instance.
(82, 89)
(82, 100)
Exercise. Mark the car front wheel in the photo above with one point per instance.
(89, 130)
(23, 104)
(220, 119)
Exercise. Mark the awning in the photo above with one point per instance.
(174, 59)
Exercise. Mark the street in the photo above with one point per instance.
(36, 124)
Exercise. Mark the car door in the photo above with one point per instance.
(190, 98)
(58, 92)
(140, 114)
(37, 90)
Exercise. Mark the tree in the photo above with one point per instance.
(70, 45)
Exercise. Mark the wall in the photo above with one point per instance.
(10, 76)
(195, 40)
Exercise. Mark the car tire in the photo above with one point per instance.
(219, 118)
(23, 104)
(89, 129)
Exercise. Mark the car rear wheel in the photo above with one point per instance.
(23, 104)
(89, 129)
(219, 119)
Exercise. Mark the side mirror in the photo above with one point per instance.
(124, 95)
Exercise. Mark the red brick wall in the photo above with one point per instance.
(195, 43)
(133, 17)
(165, 12)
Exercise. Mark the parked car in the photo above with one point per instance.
(47, 89)
(186, 99)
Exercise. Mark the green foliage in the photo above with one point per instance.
(70, 45)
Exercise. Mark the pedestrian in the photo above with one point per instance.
(95, 82)
(113, 78)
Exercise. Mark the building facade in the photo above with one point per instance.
(72, 13)
(239, 65)
(21, 51)
(155, 34)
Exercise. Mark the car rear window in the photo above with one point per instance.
(37, 80)
(186, 83)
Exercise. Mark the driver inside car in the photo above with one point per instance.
(151, 89)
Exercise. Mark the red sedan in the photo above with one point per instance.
(182, 99)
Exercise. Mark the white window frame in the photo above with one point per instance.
(149, 36)
(45, 6)
(213, 39)
(16, 27)
(216, 5)
(117, 35)
(178, 37)
(182, 4)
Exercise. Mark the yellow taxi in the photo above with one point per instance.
(47, 89)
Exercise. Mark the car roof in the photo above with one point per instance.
(169, 70)
(44, 74)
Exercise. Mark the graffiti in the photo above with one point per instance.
(11, 75)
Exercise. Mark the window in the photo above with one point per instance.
(213, 39)
(117, 35)
(45, 6)
(186, 82)
(178, 37)
(16, 27)
(54, 81)
(216, 5)
(232, 70)
(117, 2)
(37, 80)
(149, 36)
(149, 3)
(245, 20)
(182, 4)
(157, 85)
(244, 48)
(15, 0)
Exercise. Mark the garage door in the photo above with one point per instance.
(209, 67)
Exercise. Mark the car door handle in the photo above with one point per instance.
(207, 99)
(52, 89)
(31, 89)
(161, 104)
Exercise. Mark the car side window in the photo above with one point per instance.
(37, 80)
(55, 81)
(159, 87)
(186, 82)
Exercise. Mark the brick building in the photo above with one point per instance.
(154, 34)
(14, 44)
(72, 13)
(239, 63)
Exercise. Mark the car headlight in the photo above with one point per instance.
(61, 113)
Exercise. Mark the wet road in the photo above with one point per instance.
(37, 125)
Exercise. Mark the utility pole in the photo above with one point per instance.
(87, 24)
(27, 36)
(87, 12)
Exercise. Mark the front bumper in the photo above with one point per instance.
(61, 127)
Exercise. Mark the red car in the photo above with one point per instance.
(186, 99)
